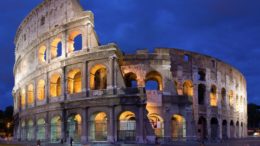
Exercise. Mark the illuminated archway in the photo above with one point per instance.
(213, 96)
(131, 80)
(42, 54)
(232, 129)
(126, 126)
(231, 98)
(202, 128)
(74, 41)
(178, 127)
(56, 48)
(23, 98)
(40, 129)
(55, 129)
(153, 81)
(157, 124)
(30, 94)
(188, 88)
(55, 85)
(74, 81)
(98, 127)
(41, 90)
(74, 123)
(30, 132)
(98, 77)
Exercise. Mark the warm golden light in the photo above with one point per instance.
(41, 90)
(155, 76)
(71, 38)
(23, 98)
(188, 88)
(213, 96)
(74, 81)
(30, 94)
(42, 54)
(55, 85)
(98, 77)
(127, 115)
(54, 47)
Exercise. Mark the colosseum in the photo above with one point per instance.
(69, 86)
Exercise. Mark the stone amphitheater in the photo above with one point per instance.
(69, 86)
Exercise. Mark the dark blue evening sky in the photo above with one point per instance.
(226, 29)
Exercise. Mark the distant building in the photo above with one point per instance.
(94, 93)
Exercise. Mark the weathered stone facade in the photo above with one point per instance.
(96, 93)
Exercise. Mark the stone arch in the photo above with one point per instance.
(56, 48)
(74, 41)
(232, 129)
(126, 126)
(188, 88)
(157, 123)
(23, 98)
(55, 133)
(30, 132)
(223, 97)
(130, 80)
(23, 130)
(224, 129)
(98, 126)
(41, 131)
(237, 129)
(98, 77)
(201, 94)
(155, 79)
(41, 90)
(213, 96)
(30, 94)
(202, 128)
(55, 85)
(214, 128)
(231, 98)
(74, 127)
(74, 81)
(42, 56)
(178, 123)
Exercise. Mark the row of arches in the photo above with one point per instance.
(74, 43)
(228, 130)
(98, 127)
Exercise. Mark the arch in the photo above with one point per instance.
(213, 96)
(237, 129)
(56, 48)
(74, 128)
(42, 54)
(23, 98)
(74, 81)
(41, 129)
(232, 129)
(202, 128)
(98, 77)
(41, 90)
(55, 85)
(188, 88)
(23, 130)
(202, 75)
(157, 124)
(30, 132)
(201, 94)
(231, 98)
(126, 126)
(214, 128)
(223, 97)
(224, 129)
(30, 94)
(153, 78)
(98, 127)
(55, 129)
(178, 127)
(74, 41)
(131, 80)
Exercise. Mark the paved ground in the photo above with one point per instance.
(240, 142)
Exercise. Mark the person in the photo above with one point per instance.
(71, 141)
(38, 143)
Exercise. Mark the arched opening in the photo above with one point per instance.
(202, 75)
(30, 132)
(23, 131)
(224, 129)
(214, 128)
(131, 80)
(201, 94)
(74, 81)
(223, 97)
(55, 85)
(42, 54)
(242, 131)
(237, 129)
(98, 77)
(188, 88)
(153, 81)
(126, 126)
(231, 98)
(157, 124)
(23, 98)
(30, 94)
(213, 96)
(74, 41)
(202, 128)
(232, 129)
(74, 128)
(98, 127)
(41, 90)
(56, 48)
(178, 127)
(41, 130)
(56, 129)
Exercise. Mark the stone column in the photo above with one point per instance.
(139, 125)
(84, 126)
(89, 29)
(228, 129)
(111, 73)
(64, 83)
(48, 51)
(220, 128)
(86, 77)
(35, 90)
(209, 128)
(111, 125)
(64, 39)
(47, 127)
(47, 88)
(85, 37)
(64, 125)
